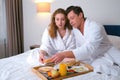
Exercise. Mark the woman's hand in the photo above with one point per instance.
(41, 59)
(42, 56)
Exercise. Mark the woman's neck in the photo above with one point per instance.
(62, 32)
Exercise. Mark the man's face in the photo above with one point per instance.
(74, 19)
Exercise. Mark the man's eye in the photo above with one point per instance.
(63, 19)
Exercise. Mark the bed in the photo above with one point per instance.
(17, 67)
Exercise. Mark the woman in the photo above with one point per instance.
(58, 36)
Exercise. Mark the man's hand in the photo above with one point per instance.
(58, 57)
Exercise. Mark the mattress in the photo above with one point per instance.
(18, 68)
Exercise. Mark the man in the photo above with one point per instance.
(92, 43)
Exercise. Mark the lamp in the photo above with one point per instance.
(43, 7)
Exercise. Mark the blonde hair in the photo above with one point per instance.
(53, 27)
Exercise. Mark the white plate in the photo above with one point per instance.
(79, 68)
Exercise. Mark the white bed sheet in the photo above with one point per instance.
(17, 68)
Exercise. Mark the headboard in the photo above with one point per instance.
(112, 29)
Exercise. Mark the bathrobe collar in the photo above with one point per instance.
(60, 43)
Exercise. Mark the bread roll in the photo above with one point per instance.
(72, 63)
(45, 69)
(47, 60)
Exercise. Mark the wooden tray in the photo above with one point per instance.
(45, 77)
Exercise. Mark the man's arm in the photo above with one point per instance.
(58, 57)
(68, 54)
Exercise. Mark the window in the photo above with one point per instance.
(2, 29)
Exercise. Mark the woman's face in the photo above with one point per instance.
(60, 20)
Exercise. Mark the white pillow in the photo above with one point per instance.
(115, 40)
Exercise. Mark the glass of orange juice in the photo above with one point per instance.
(63, 69)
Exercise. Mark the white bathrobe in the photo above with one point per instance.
(54, 45)
(93, 46)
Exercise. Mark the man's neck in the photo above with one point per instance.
(81, 28)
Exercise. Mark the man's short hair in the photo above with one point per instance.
(76, 9)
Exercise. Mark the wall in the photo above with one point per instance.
(102, 11)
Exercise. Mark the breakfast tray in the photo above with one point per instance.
(46, 77)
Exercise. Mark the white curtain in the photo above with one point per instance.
(2, 29)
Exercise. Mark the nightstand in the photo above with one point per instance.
(34, 46)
